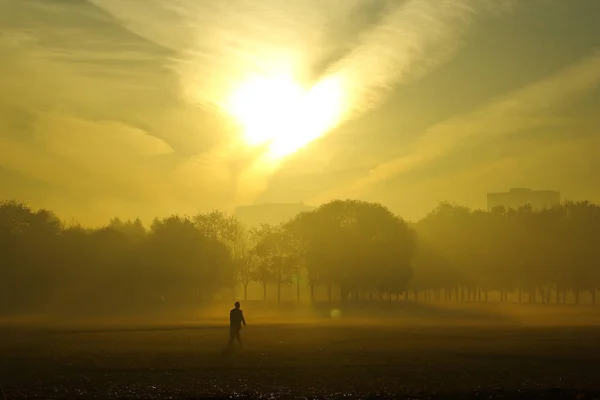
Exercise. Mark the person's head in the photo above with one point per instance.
(237, 304)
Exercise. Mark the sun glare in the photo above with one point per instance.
(279, 112)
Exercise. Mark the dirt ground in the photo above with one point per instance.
(318, 358)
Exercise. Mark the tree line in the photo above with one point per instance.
(358, 251)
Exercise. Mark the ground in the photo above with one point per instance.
(314, 358)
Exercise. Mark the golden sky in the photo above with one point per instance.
(144, 108)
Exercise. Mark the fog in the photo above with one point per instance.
(287, 198)
(346, 262)
(122, 108)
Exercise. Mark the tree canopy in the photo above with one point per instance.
(360, 249)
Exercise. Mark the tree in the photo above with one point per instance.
(133, 230)
(229, 230)
(359, 247)
(182, 260)
(274, 251)
(245, 270)
(355, 245)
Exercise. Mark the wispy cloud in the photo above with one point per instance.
(120, 98)
(216, 45)
(410, 40)
(89, 108)
(531, 107)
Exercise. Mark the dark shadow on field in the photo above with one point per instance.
(323, 360)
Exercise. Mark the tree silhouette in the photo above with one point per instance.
(275, 252)
(228, 230)
(356, 246)
(360, 249)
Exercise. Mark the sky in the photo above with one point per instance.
(126, 107)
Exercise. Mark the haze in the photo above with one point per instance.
(403, 195)
(122, 107)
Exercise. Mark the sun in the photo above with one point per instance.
(278, 112)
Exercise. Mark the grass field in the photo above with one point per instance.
(423, 357)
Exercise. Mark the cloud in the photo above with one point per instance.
(409, 41)
(533, 166)
(372, 46)
(528, 108)
(218, 44)
(70, 152)
(120, 98)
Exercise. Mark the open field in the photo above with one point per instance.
(466, 357)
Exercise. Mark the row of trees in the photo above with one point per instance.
(541, 256)
(357, 249)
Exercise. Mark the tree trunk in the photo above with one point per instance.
(546, 293)
(462, 294)
(312, 293)
(557, 295)
(279, 285)
(245, 291)
(416, 295)
(485, 296)
(520, 295)
(576, 293)
(298, 290)
(593, 296)
(265, 291)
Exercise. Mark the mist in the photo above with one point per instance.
(149, 135)
(345, 261)
(287, 199)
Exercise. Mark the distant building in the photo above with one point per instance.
(518, 197)
(270, 213)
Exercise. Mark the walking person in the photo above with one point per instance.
(236, 319)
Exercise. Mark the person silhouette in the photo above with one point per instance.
(236, 319)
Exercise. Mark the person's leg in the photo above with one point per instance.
(239, 338)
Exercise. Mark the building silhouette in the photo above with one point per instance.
(274, 213)
(519, 197)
